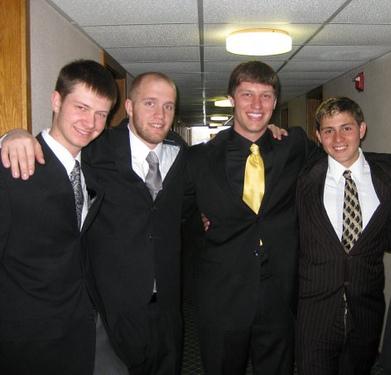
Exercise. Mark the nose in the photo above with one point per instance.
(159, 111)
(337, 136)
(257, 102)
(89, 119)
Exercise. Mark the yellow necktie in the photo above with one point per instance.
(254, 179)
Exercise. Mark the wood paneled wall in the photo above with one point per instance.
(14, 66)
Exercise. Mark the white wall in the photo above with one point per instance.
(297, 109)
(54, 42)
(375, 100)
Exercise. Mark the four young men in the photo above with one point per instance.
(246, 272)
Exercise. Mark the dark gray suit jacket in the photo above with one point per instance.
(326, 271)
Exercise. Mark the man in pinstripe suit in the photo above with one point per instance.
(341, 302)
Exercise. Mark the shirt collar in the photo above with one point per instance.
(336, 169)
(140, 150)
(62, 154)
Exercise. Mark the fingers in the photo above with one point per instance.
(205, 222)
(18, 160)
(38, 154)
(19, 152)
(5, 158)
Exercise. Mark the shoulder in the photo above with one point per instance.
(174, 139)
(379, 161)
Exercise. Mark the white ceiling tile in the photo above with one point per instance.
(127, 12)
(353, 35)
(366, 12)
(156, 54)
(144, 35)
(347, 53)
(292, 11)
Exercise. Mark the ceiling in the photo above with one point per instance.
(186, 40)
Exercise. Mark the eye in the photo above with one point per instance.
(81, 108)
(149, 103)
(326, 131)
(169, 107)
(102, 115)
(347, 128)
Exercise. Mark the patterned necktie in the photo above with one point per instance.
(254, 179)
(153, 179)
(352, 219)
(75, 178)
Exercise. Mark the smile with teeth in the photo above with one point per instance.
(340, 148)
(157, 126)
(255, 115)
(83, 132)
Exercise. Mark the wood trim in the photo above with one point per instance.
(15, 103)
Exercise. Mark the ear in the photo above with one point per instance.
(129, 107)
(56, 101)
(231, 100)
(363, 129)
(274, 105)
(318, 136)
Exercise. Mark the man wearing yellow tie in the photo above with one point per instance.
(245, 275)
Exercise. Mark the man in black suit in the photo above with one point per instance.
(135, 240)
(246, 271)
(134, 243)
(47, 321)
(342, 243)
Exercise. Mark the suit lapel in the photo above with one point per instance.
(54, 168)
(315, 200)
(381, 183)
(218, 149)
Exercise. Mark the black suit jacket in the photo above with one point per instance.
(240, 248)
(326, 271)
(43, 292)
(133, 240)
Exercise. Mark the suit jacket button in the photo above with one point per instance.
(256, 253)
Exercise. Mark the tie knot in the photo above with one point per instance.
(254, 148)
(347, 174)
(152, 158)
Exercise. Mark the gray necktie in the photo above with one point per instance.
(75, 178)
(153, 179)
(352, 219)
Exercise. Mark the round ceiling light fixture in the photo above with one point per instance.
(259, 42)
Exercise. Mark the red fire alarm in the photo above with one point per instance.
(359, 81)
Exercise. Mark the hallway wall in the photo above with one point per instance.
(54, 42)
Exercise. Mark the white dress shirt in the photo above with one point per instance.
(166, 154)
(68, 161)
(333, 195)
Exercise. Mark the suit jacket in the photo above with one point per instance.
(326, 271)
(133, 241)
(240, 248)
(42, 286)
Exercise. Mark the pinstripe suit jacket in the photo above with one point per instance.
(325, 270)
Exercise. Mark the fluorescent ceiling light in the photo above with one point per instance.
(219, 118)
(223, 103)
(215, 124)
(259, 42)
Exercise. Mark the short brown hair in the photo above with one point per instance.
(254, 71)
(136, 83)
(90, 73)
(333, 106)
